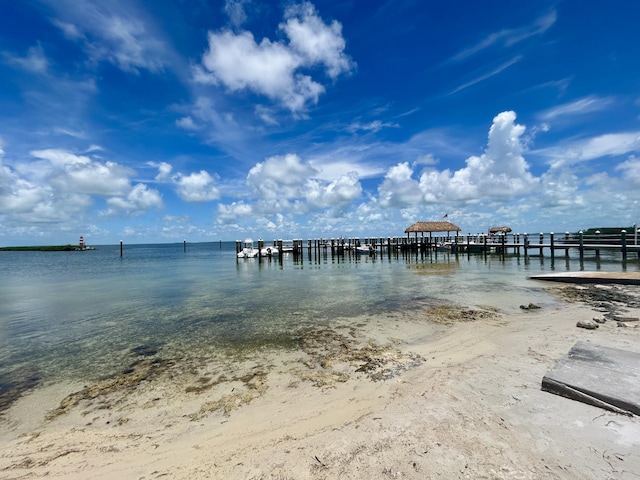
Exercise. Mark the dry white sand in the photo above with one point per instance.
(430, 401)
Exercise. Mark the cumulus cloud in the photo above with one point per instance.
(139, 198)
(274, 68)
(60, 185)
(288, 183)
(280, 176)
(338, 193)
(500, 173)
(398, 189)
(232, 212)
(197, 187)
(630, 170)
(315, 41)
(194, 187)
(81, 174)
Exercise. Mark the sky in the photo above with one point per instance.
(154, 121)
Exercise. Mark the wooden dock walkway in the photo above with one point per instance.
(517, 244)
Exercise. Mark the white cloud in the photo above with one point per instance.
(187, 123)
(485, 76)
(287, 183)
(80, 174)
(59, 187)
(164, 170)
(581, 106)
(608, 145)
(236, 11)
(510, 36)
(139, 198)
(35, 61)
(374, 126)
(231, 213)
(499, 173)
(340, 192)
(114, 32)
(630, 171)
(280, 177)
(196, 187)
(315, 41)
(328, 168)
(268, 68)
(398, 189)
(273, 68)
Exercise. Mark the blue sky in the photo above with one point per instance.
(164, 120)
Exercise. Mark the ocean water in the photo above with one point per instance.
(78, 315)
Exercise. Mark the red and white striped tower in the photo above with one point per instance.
(81, 241)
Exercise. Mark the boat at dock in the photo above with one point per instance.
(286, 247)
(248, 251)
(269, 251)
(366, 249)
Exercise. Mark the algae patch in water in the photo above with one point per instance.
(225, 379)
(452, 314)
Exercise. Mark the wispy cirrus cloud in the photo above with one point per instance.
(487, 75)
(607, 145)
(509, 36)
(581, 106)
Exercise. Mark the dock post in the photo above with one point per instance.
(184, 246)
(598, 243)
(541, 242)
(526, 243)
(120, 247)
(581, 246)
(624, 244)
(260, 247)
(566, 241)
(553, 254)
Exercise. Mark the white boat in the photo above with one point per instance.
(366, 249)
(269, 251)
(286, 247)
(444, 246)
(248, 251)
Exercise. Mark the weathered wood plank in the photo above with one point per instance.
(621, 278)
(604, 377)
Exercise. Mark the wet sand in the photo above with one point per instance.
(445, 393)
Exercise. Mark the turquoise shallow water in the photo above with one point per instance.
(77, 315)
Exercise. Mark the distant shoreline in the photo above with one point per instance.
(46, 248)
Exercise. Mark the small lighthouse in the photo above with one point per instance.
(81, 242)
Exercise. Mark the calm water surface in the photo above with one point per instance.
(73, 315)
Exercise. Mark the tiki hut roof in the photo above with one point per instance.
(499, 230)
(419, 227)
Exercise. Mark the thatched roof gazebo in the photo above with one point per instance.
(499, 229)
(422, 227)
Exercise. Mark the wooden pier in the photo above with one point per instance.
(516, 244)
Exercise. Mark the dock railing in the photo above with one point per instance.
(500, 243)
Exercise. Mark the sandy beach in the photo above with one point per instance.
(446, 392)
